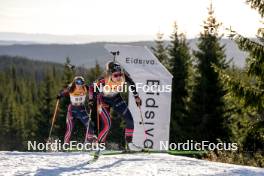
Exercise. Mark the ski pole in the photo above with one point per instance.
(54, 116)
(98, 103)
(142, 122)
(88, 125)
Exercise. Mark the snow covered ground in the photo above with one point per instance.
(48, 164)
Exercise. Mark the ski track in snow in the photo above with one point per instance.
(49, 164)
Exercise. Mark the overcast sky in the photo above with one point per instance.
(122, 17)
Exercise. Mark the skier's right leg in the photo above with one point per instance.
(69, 125)
(105, 118)
(121, 107)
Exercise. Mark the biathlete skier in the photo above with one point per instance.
(78, 93)
(109, 97)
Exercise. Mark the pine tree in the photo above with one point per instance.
(68, 73)
(251, 90)
(94, 73)
(160, 50)
(179, 59)
(207, 108)
(46, 105)
(22, 100)
(29, 107)
(10, 111)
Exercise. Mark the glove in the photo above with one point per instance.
(58, 97)
(90, 104)
(138, 101)
(60, 94)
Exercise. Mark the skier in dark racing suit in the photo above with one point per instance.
(77, 91)
(114, 76)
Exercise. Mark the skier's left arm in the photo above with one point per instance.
(63, 93)
(130, 81)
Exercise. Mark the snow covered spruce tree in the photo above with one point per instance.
(207, 108)
(251, 90)
(179, 60)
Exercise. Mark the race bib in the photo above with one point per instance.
(77, 99)
(78, 96)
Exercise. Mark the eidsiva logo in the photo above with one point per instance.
(130, 60)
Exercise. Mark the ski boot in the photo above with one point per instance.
(133, 148)
(95, 157)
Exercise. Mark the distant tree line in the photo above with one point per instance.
(27, 98)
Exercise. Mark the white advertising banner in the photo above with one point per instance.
(145, 69)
